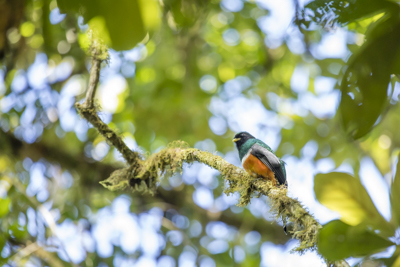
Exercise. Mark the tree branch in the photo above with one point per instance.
(93, 80)
(90, 115)
(38, 251)
(88, 110)
(171, 159)
(142, 175)
(96, 171)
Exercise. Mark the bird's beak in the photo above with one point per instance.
(235, 139)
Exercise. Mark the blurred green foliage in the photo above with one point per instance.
(364, 87)
(361, 230)
(120, 25)
(346, 195)
(367, 88)
(338, 240)
(365, 81)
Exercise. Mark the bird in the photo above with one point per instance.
(259, 160)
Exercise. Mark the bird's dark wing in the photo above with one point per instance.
(270, 160)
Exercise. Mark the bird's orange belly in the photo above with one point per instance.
(258, 169)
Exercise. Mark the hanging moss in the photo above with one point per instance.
(118, 180)
(97, 48)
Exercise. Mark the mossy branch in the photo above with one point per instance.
(94, 79)
(90, 114)
(99, 53)
(88, 109)
(171, 159)
(143, 175)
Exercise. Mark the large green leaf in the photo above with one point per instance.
(338, 240)
(119, 23)
(345, 194)
(365, 82)
(395, 195)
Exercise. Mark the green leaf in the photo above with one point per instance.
(328, 12)
(17, 231)
(346, 195)
(4, 206)
(395, 195)
(365, 82)
(123, 26)
(185, 13)
(2, 241)
(338, 240)
(394, 260)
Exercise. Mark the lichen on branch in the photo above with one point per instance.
(171, 159)
(99, 54)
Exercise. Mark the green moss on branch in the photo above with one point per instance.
(171, 159)
(112, 137)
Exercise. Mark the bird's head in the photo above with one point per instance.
(241, 138)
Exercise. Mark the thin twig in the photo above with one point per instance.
(38, 251)
(93, 80)
(112, 137)
(88, 111)
(26, 251)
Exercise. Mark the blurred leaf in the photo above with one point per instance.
(185, 12)
(18, 232)
(123, 20)
(394, 260)
(2, 242)
(328, 12)
(345, 194)
(72, 5)
(365, 82)
(151, 14)
(84, 42)
(99, 27)
(395, 195)
(337, 240)
(4, 206)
